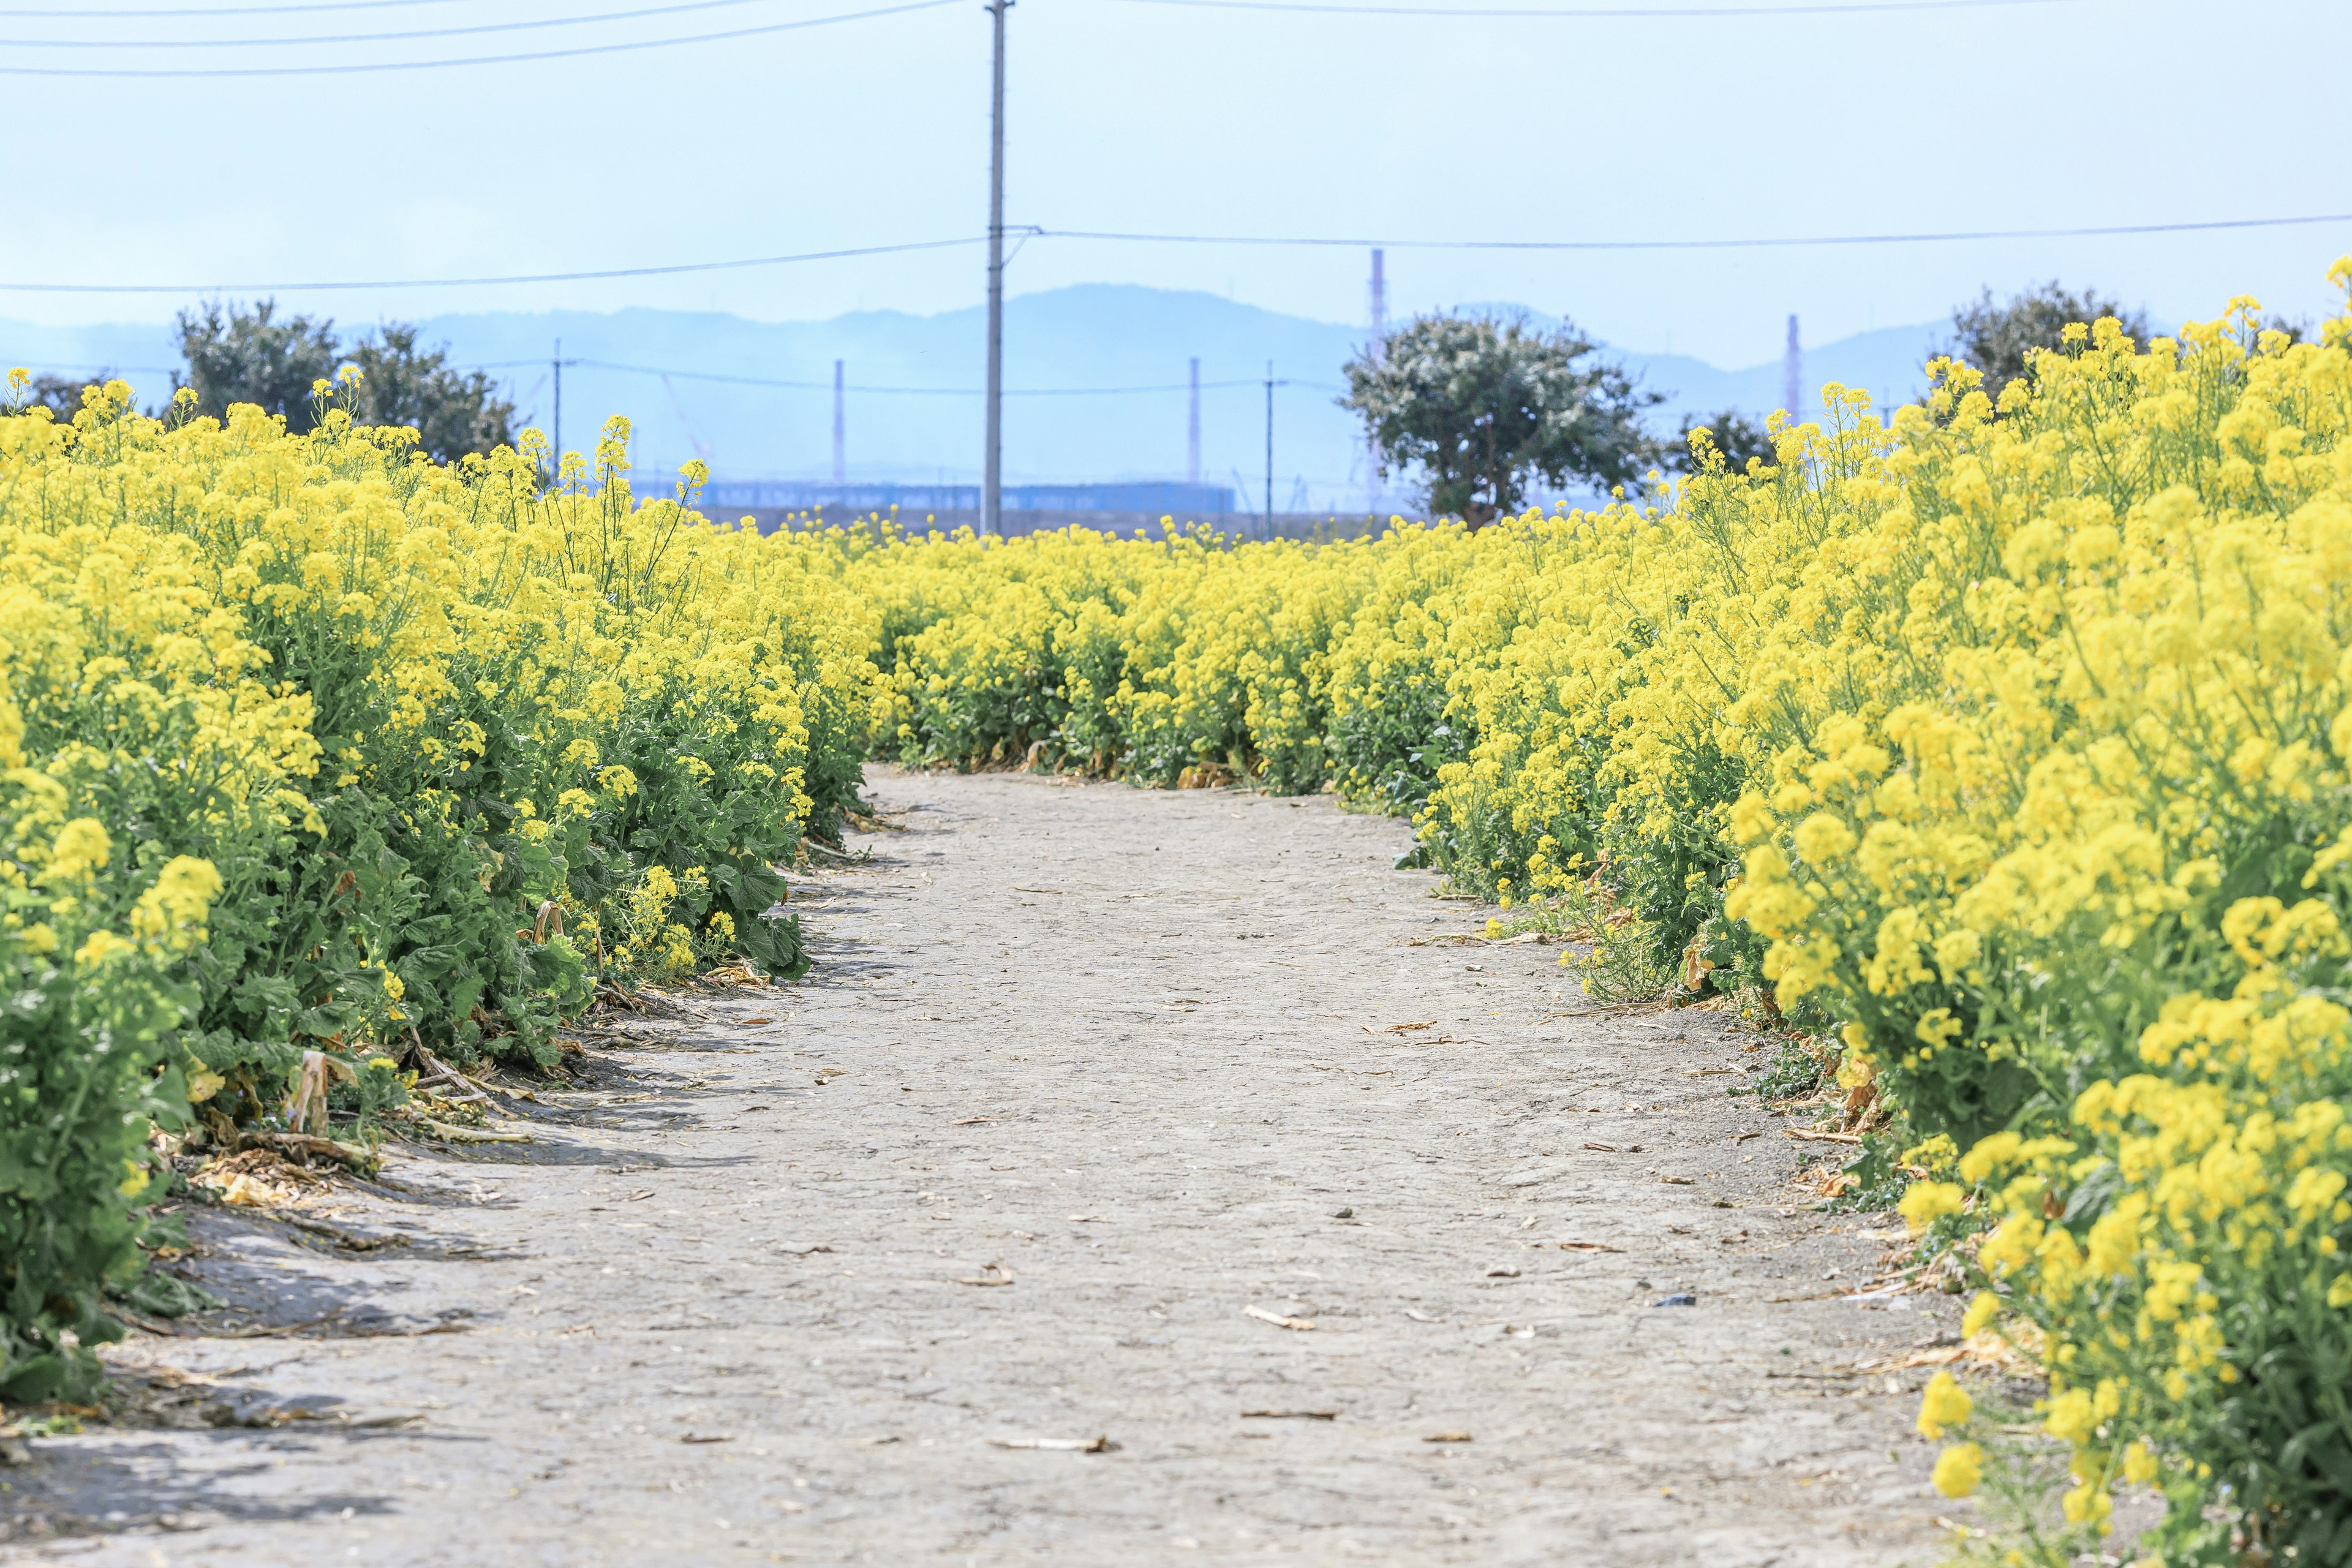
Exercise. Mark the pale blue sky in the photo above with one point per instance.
(1141, 116)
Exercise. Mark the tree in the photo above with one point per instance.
(237, 355)
(1997, 336)
(1484, 404)
(240, 356)
(453, 412)
(1733, 434)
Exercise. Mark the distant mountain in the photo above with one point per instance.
(1096, 375)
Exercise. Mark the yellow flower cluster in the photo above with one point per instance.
(1175, 661)
(276, 715)
(2011, 742)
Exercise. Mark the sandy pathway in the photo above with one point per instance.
(1131, 1052)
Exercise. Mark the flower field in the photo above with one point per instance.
(2010, 746)
(311, 744)
(2008, 749)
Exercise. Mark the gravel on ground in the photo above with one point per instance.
(1138, 1176)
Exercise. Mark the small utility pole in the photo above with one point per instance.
(557, 365)
(1269, 445)
(840, 429)
(1192, 444)
(991, 490)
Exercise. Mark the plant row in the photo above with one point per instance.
(2009, 744)
(309, 744)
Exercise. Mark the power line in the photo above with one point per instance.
(764, 381)
(102, 369)
(670, 270)
(1791, 240)
(214, 11)
(365, 38)
(474, 59)
(1628, 13)
(906, 391)
(1939, 237)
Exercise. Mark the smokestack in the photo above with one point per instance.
(841, 424)
(1792, 374)
(1193, 441)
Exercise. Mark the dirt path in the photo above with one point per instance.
(744, 1299)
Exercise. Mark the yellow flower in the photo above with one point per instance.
(1943, 1404)
(1959, 1470)
(1925, 1202)
(82, 846)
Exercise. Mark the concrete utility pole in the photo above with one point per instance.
(992, 489)
(1380, 352)
(840, 428)
(1193, 443)
(557, 365)
(1793, 376)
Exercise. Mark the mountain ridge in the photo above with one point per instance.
(1095, 377)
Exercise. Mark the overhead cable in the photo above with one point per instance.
(573, 53)
(914, 390)
(1608, 13)
(763, 380)
(1747, 244)
(1759, 242)
(662, 271)
(164, 13)
(367, 38)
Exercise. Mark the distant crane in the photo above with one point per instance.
(678, 408)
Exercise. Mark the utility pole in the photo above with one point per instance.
(1193, 444)
(557, 365)
(1379, 354)
(1269, 448)
(840, 430)
(1792, 376)
(992, 491)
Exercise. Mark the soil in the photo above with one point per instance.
(1097, 1099)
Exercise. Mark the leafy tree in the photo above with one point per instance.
(1484, 404)
(1731, 432)
(237, 354)
(240, 356)
(453, 412)
(1996, 336)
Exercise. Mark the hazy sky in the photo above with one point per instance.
(1129, 115)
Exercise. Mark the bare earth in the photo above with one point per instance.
(1094, 1100)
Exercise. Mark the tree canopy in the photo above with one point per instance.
(1995, 336)
(1740, 439)
(240, 354)
(1485, 405)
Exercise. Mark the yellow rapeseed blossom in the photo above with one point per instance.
(1959, 1470)
(2008, 743)
(1943, 1404)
